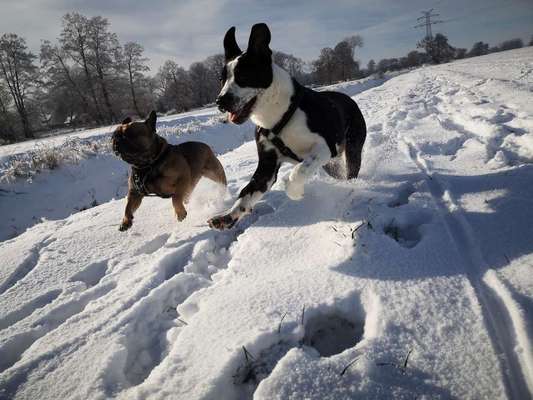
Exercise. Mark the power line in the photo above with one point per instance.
(427, 22)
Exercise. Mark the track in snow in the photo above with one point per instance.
(495, 312)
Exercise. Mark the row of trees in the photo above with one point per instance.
(88, 78)
(85, 78)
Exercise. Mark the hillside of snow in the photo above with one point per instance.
(413, 282)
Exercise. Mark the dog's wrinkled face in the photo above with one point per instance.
(245, 75)
(134, 141)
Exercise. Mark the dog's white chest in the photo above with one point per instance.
(297, 136)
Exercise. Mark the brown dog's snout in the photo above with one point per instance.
(116, 140)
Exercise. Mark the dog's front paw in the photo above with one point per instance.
(181, 215)
(125, 225)
(222, 222)
(295, 189)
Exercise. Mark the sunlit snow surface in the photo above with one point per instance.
(420, 270)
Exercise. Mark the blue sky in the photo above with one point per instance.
(190, 30)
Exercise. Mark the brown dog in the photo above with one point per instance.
(161, 169)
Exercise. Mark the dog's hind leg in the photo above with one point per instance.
(133, 203)
(214, 170)
(336, 167)
(355, 139)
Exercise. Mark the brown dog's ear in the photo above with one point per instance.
(151, 120)
(231, 48)
(127, 120)
(259, 40)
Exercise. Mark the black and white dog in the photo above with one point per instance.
(294, 124)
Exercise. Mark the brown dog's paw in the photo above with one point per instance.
(222, 222)
(181, 215)
(125, 225)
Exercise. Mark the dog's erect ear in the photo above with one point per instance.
(231, 48)
(150, 121)
(127, 120)
(259, 40)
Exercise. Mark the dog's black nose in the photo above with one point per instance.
(225, 102)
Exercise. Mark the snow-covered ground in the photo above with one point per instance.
(414, 281)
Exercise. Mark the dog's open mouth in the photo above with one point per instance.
(242, 115)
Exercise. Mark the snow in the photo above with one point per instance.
(414, 281)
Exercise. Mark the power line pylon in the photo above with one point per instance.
(427, 22)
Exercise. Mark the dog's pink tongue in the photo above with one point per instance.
(232, 116)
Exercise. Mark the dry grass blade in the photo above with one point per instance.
(280, 322)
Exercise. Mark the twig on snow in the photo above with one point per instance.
(356, 229)
(247, 355)
(280, 322)
(348, 366)
(402, 367)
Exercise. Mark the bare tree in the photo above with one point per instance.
(55, 68)
(104, 56)
(74, 40)
(511, 44)
(292, 64)
(200, 80)
(135, 65)
(175, 86)
(324, 66)
(338, 64)
(479, 49)
(354, 41)
(7, 132)
(345, 64)
(371, 67)
(214, 65)
(415, 58)
(460, 53)
(18, 73)
(437, 48)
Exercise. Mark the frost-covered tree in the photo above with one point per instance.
(104, 57)
(74, 41)
(7, 131)
(17, 71)
(136, 67)
(200, 79)
(175, 87)
(66, 98)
